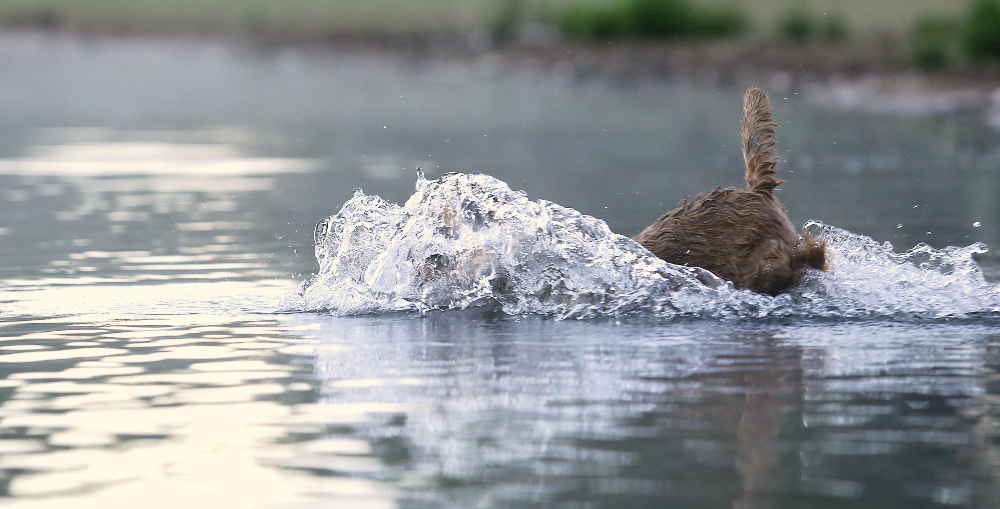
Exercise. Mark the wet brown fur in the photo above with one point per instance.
(743, 236)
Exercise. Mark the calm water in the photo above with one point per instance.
(158, 203)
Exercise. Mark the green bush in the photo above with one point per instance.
(981, 37)
(660, 18)
(652, 19)
(509, 14)
(834, 27)
(723, 22)
(797, 24)
(934, 42)
(594, 23)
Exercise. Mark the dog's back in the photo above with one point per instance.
(743, 236)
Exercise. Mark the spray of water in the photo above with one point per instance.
(468, 240)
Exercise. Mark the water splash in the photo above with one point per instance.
(871, 279)
(468, 240)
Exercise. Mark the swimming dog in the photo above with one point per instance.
(742, 236)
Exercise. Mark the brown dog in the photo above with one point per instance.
(741, 236)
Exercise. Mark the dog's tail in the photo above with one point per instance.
(758, 143)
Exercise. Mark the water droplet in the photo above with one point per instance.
(899, 226)
(977, 224)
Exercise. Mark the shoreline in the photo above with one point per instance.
(845, 76)
(872, 75)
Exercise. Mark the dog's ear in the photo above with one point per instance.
(811, 251)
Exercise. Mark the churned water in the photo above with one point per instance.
(468, 240)
(169, 339)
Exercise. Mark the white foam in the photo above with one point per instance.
(468, 240)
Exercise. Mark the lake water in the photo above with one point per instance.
(158, 208)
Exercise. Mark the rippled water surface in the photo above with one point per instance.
(475, 345)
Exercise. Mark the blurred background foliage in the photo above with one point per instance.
(652, 19)
(972, 35)
(935, 32)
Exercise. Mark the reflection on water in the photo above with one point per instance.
(148, 159)
(457, 409)
(149, 407)
(693, 416)
(105, 188)
(144, 250)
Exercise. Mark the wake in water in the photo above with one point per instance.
(468, 240)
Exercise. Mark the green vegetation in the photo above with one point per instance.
(317, 17)
(835, 27)
(796, 24)
(799, 24)
(505, 22)
(938, 32)
(652, 19)
(938, 41)
(255, 18)
(981, 37)
(934, 42)
(300, 18)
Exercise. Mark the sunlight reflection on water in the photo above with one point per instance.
(115, 408)
(102, 152)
